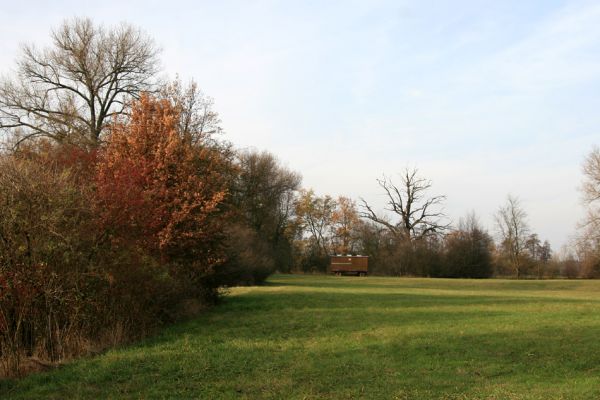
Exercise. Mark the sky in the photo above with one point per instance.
(485, 98)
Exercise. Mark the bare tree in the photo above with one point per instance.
(591, 195)
(71, 89)
(511, 222)
(420, 214)
(588, 239)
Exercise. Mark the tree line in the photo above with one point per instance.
(122, 206)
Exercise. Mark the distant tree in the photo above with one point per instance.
(511, 222)
(264, 193)
(538, 253)
(570, 266)
(544, 257)
(419, 214)
(590, 264)
(468, 251)
(545, 252)
(316, 216)
(372, 241)
(71, 90)
(533, 246)
(346, 221)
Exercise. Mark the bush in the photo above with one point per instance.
(45, 246)
(99, 247)
(468, 255)
(249, 258)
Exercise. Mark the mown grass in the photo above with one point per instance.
(322, 337)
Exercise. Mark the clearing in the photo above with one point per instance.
(325, 337)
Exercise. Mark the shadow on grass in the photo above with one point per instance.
(420, 365)
(400, 283)
(333, 344)
(346, 299)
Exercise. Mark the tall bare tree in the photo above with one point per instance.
(420, 215)
(591, 195)
(511, 222)
(589, 235)
(71, 89)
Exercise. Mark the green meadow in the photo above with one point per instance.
(325, 337)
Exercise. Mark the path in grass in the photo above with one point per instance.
(318, 337)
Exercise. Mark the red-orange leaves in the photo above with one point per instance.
(150, 189)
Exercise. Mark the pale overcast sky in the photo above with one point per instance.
(486, 98)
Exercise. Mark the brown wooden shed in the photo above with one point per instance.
(349, 265)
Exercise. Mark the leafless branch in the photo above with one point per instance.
(77, 85)
(418, 214)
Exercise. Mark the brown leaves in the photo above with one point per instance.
(149, 186)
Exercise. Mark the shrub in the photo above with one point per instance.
(99, 247)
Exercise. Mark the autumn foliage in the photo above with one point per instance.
(99, 246)
(156, 191)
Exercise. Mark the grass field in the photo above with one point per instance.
(322, 337)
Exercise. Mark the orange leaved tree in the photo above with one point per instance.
(160, 194)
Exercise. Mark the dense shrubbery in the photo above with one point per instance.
(101, 245)
(250, 259)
